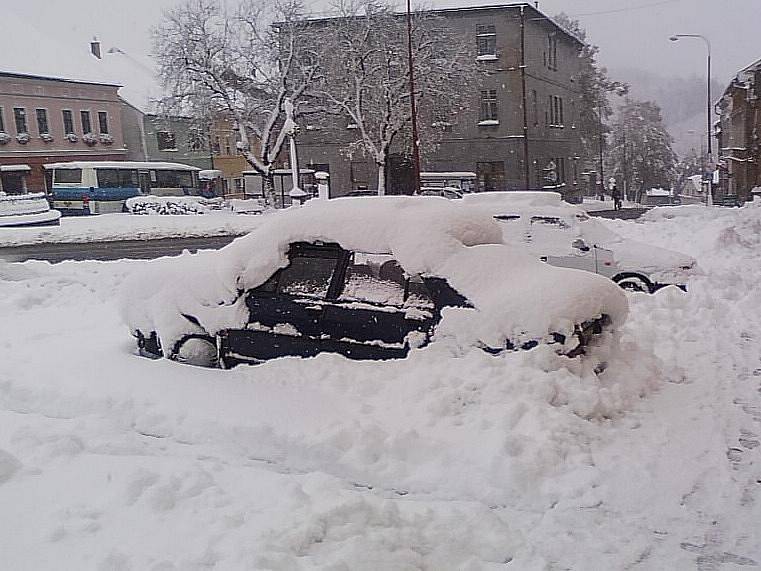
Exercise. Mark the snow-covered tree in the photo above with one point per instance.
(240, 60)
(595, 86)
(366, 71)
(640, 149)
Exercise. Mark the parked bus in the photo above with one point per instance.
(98, 187)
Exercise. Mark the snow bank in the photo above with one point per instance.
(516, 297)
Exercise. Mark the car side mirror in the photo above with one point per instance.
(579, 244)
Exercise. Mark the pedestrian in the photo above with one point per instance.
(616, 197)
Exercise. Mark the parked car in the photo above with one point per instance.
(661, 197)
(443, 191)
(566, 236)
(368, 278)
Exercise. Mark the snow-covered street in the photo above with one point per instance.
(526, 461)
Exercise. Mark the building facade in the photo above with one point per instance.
(739, 137)
(44, 120)
(520, 131)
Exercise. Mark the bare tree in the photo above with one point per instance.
(240, 62)
(366, 70)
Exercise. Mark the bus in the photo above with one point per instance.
(99, 187)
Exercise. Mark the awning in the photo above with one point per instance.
(15, 168)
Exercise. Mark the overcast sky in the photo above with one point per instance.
(630, 33)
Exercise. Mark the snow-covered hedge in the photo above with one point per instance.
(165, 205)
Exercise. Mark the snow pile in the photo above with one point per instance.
(245, 206)
(172, 205)
(516, 297)
(15, 204)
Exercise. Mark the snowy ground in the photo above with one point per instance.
(114, 462)
(106, 227)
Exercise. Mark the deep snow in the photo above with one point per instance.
(112, 461)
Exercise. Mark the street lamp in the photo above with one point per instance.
(676, 38)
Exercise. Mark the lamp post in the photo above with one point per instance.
(413, 106)
(676, 38)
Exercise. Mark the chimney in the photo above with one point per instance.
(95, 47)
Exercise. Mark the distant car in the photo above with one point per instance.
(368, 279)
(444, 191)
(566, 236)
(661, 197)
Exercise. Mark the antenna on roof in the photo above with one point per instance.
(536, 5)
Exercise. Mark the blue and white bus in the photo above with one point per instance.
(99, 187)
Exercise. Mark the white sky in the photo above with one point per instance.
(630, 33)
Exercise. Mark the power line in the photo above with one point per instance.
(627, 9)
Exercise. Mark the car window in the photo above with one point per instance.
(307, 276)
(507, 217)
(418, 295)
(550, 221)
(374, 283)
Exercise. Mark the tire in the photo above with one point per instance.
(198, 350)
(634, 282)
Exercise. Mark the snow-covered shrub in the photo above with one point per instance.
(89, 139)
(165, 205)
(23, 138)
(5, 138)
(106, 139)
(47, 137)
(72, 137)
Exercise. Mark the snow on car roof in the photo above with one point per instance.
(121, 164)
(518, 296)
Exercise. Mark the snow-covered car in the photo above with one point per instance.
(443, 191)
(566, 236)
(368, 278)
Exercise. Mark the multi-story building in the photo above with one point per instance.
(739, 137)
(520, 131)
(45, 120)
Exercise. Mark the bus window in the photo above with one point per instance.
(117, 178)
(174, 179)
(68, 176)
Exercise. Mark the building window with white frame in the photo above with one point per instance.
(486, 41)
(489, 111)
(19, 117)
(84, 117)
(42, 121)
(68, 122)
(103, 122)
(166, 141)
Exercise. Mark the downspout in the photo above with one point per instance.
(526, 169)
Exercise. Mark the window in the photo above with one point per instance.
(19, 116)
(486, 41)
(489, 110)
(215, 146)
(116, 178)
(173, 179)
(381, 283)
(166, 141)
(227, 146)
(42, 121)
(551, 55)
(360, 175)
(308, 276)
(68, 176)
(535, 106)
(84, 116)
(103, 122)
(2, 121)
(491, 176)
(555, 111)
(68, 122)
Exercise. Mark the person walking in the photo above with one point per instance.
(616, 196)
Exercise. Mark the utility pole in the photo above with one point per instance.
(413, 106)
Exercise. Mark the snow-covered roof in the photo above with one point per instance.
(140, 83)
(453, 174)
(515, 296)
(122, 165)
(28, 51)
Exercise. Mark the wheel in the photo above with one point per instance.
(198, 350)
(634, 282)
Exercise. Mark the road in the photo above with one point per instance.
(116, 250)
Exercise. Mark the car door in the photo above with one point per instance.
(286, 312)
(379, 312)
